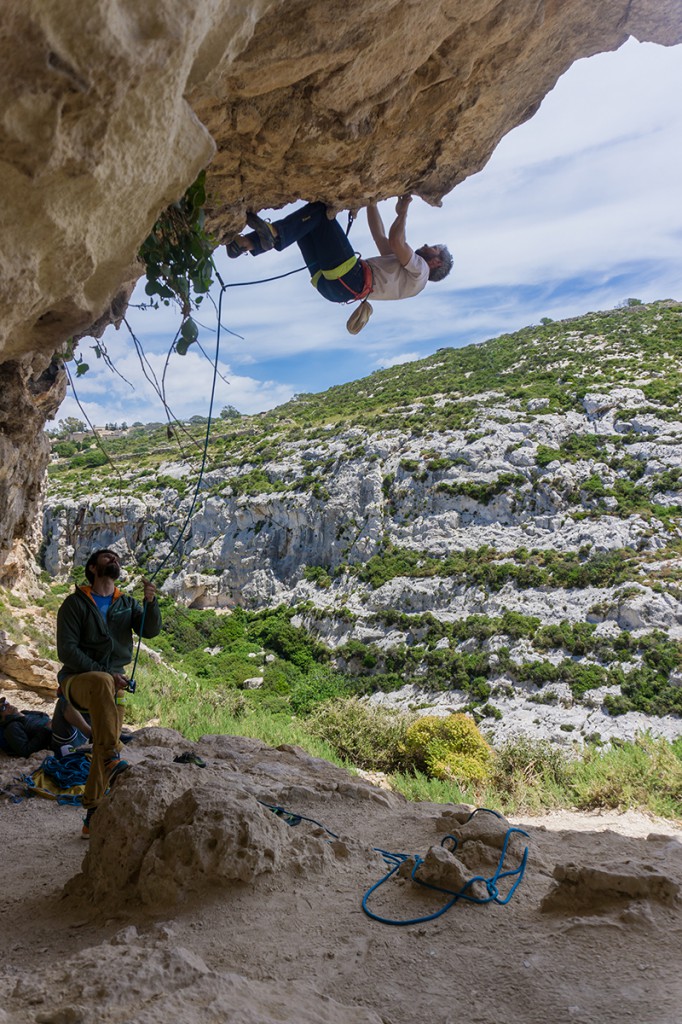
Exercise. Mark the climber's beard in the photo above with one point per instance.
(112, 570)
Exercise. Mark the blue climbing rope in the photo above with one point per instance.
(71, 770)
(395, 860)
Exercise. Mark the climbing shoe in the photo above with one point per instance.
(85, 831)
(189, 758)
(113, 768)
(234, 249)
(264, 231)
(359, 317)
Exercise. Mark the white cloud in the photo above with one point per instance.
(404, 357)
(187, 387)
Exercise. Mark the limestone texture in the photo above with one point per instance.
(147, 979)
(31, 389)
(28, 669)
(182, 831)
(109, 116)
(581, 886)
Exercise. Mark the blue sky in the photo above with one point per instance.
(577, 210)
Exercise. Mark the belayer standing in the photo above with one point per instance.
(95, 627)
(338, 273)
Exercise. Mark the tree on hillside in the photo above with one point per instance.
(230, 413)
(70, 425)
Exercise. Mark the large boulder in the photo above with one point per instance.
(181, 830)
(25, 667)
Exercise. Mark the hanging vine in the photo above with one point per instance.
(177, 258)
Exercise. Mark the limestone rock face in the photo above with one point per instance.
(32, 672)
(31, 390)
(501, 483)
(109, 116)
(97, 137)
(392, 97)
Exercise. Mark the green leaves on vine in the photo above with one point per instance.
(188, 334)
(177, 258)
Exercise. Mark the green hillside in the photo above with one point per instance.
(638, 346)
(498, 526)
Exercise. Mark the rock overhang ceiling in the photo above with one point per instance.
(110, 115)
(110, 110)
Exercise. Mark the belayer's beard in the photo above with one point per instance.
(111, 570)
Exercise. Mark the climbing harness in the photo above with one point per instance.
(337, 274)
(396, 860)
(360, 316)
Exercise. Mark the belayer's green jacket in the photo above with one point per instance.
(88, 643)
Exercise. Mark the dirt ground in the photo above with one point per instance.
(162, 925)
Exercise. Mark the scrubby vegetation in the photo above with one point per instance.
(437, 394)
(421, 432)
(203, 684)
(448, 748)
(440, 762)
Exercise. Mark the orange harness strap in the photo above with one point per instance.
(367, 282)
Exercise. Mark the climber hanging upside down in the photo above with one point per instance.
(338, 273)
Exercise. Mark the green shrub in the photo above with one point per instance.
(290, 642)
(530, 773)
(448, 748)
(369, 737)
(646, 773)
(65, 449)
(89, 460)
(318, 574)
(317, 685)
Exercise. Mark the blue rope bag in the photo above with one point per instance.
(65, 773)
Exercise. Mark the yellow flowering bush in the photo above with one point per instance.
(448, 748)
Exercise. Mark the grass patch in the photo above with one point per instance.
(521, 776)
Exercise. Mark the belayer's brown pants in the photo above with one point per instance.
(95, 693)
